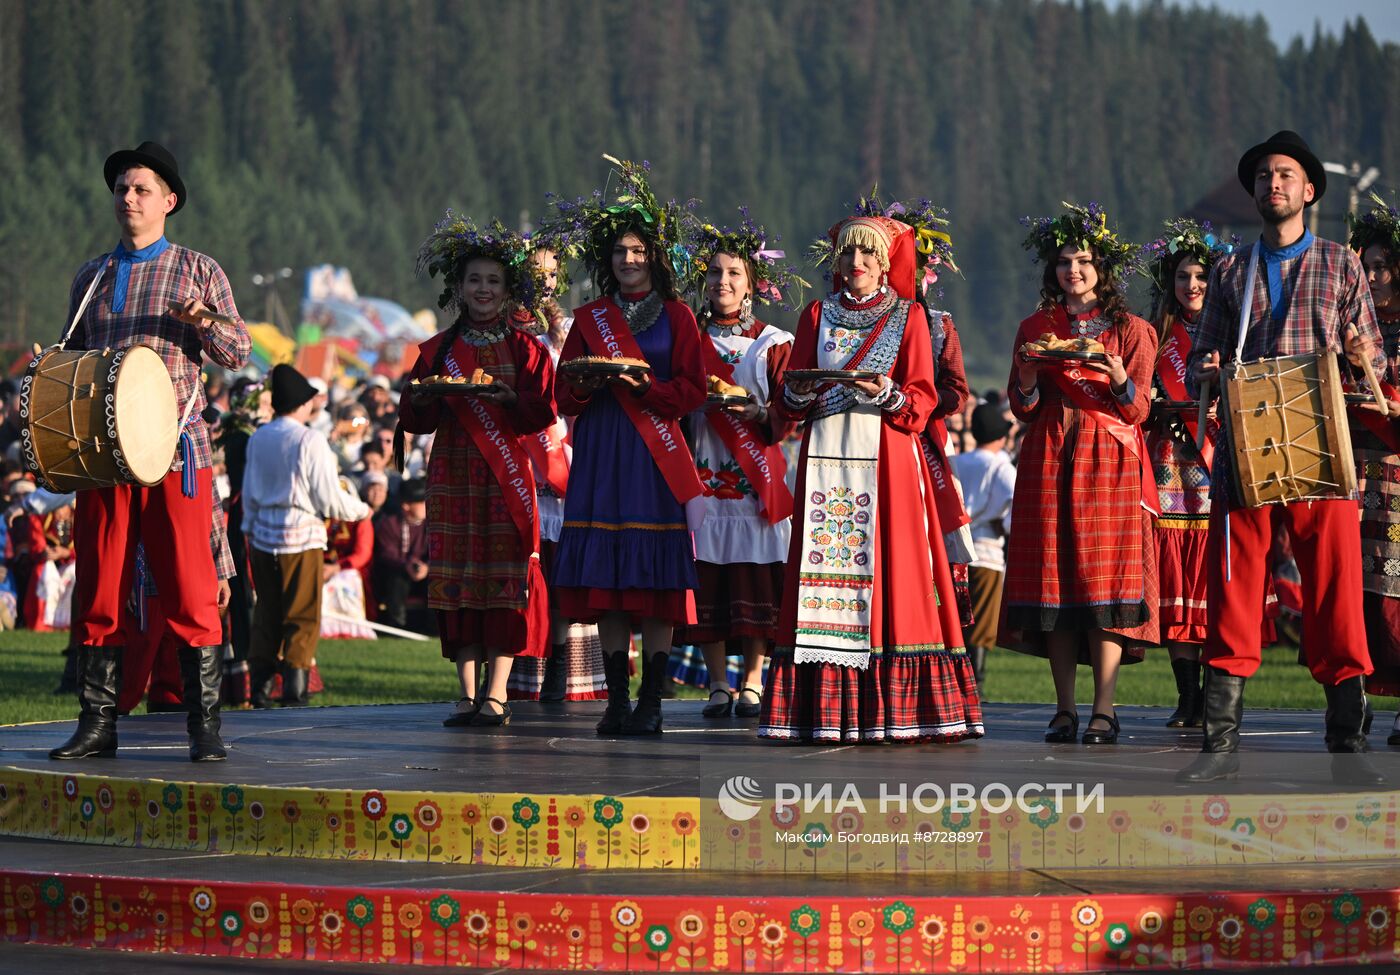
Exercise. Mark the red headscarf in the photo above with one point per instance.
(892, 240)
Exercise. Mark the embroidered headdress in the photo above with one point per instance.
(777, 283)
(1184, 237)
(457, 240)
(1379, 225)
(933, 247)
(1083, 227)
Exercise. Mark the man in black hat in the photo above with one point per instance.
(159, 294)
(291, 485)
(1291, 294)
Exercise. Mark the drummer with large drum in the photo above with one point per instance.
(1290, 295)
(178, 303)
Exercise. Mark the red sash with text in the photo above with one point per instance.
(501, 448)
(946, 502)
(605, 333)
(1171, 371)
(546, 450)
(763, 464)
(1088, 390)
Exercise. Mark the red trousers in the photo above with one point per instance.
(152, 656)
(1327, 546)
(107, 524)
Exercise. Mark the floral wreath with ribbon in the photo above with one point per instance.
(777, 284)
(933, 245)
(457, 240)
(592, 224)
(1087, 229)
(1379, 225)
(1158, 259)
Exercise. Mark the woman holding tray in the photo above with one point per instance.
(870, 648)
(625, 555)
(1178, 265)
(742, 543)
(1081, 581)
(484, 577)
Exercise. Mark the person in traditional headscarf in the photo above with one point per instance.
(870, 647)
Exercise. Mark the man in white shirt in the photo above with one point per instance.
(290, 487)
(988, 480)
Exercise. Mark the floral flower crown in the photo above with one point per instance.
(1158, 260)
(1379, 225)
(457, 240)
(592, 224)
(933, 246)
(750, 240)
(1085, 228)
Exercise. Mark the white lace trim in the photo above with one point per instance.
(857, 659)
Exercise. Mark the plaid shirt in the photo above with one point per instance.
(175, 275)
(1329, 292)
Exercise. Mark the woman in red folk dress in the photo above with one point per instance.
(1178, 265)
(870, 646)
(484, 579)
(1081, 581)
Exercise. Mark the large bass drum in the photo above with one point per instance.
(95, 419)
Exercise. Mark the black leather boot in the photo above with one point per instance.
(261, 680)
(616, 669)
(1346, 739)
(201, 669)
(555, 682)
(1224, 710)
(646, 716)
(294, 682)
(99, 679)
(1189, 704)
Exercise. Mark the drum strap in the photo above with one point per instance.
(82, 305)
(1246, 309)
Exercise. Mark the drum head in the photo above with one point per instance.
(146, 417)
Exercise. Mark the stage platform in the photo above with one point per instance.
(375, 834)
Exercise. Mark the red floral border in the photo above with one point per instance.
(1127, 932)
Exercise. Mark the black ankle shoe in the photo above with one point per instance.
(1064, 734)
(461, 717)
(491, 719)
(1105, 737)
(719, 709)
(1211, 767)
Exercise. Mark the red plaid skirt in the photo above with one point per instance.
(900, 697)
(734, 601)
(1181, 573)
(1383, 639)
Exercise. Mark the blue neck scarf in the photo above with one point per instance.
(1278, 307)
(125, 259)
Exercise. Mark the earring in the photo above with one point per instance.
(884, 282)
(746, 311)
(706, 312)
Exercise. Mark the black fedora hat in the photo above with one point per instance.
(154, 157)
(1285, 143)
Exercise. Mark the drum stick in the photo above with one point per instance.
(207, 315)
(1375, 384)
(1202, 412)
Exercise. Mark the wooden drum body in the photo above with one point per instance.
(95, 419)
(1287, 426)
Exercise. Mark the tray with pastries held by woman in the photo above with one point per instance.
(1051, 348)
(603, 367)
(720, 394)
(477, 382)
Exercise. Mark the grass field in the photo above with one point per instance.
(398, 671)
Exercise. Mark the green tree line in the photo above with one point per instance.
(340, 130)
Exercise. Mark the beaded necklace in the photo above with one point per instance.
(478, 335)
(640, 315)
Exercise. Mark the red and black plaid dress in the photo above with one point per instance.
(477, 560)
(1082, 555)
(1378, 477)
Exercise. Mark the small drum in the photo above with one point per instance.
(95, 419)
(1286, 423)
